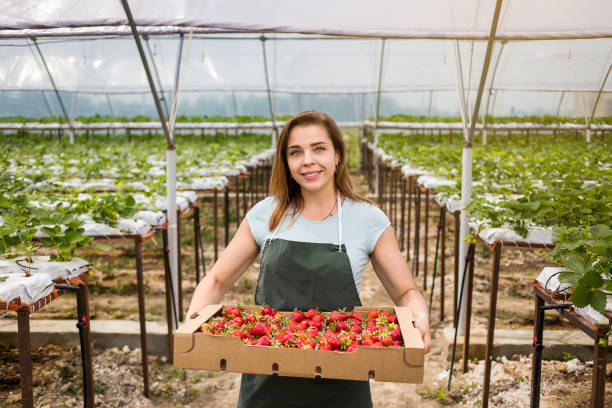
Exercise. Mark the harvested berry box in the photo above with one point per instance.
(378, 343)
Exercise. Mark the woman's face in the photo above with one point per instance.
(311, 157)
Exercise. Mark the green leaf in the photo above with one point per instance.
(601, 231)
(570, 277)
(3, 278)
(591, 279)
(575, 264)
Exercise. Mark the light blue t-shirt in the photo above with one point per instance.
(362, 225)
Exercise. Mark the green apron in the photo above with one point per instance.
(304, 275)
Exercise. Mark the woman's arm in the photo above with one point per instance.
(395, 276)
(233, 262)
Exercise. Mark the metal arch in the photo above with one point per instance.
(560, 102)
(145, 64)
(490, 91)
(110, 105)
(44, 98)
(378, 90)
(461, 89)
(57, 94)
(485, 70)
(270, 104)
(603, 84)
(179, 60)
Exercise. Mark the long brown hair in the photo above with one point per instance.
(285, 189)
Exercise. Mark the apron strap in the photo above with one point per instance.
(339, 224)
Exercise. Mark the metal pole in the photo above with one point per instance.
(560, 102)
(145, 64)
(110, 105)
(603, 84)
(161, 89)
(57, 94)
(489, 93)
(179, 60)
(467, 157)
(270, 104)
(376, 118)
(44, 98)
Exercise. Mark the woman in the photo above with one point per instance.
(315, 236)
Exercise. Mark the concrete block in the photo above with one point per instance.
(104, 333)
(511, 342)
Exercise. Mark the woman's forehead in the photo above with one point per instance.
(307, 135)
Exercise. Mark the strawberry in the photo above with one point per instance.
(318, 318)
(352, 347)
(367, 342)
(393, 318)
(325, 347)
(334, 316)
(386, 340)
(259, 329)
(316, 324)
(334, 342)
(344, 316)
(233, 311)
(342, 325)
(356, 329)
(250, 318)
(310, 313)
(267, 310)
(301, 326)
(373, 314)
(312, 332)
(247, 335)
(396, 334)
(263, 341)
(378, 344)
(237, 333)
(357, 316)
(397, 343)
(384, 314)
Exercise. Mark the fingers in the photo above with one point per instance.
(425, 334)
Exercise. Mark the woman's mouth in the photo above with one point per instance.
(311, 175)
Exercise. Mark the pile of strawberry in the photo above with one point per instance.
(340, 331)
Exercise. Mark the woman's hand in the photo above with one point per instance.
(233, 262)
(395, 276)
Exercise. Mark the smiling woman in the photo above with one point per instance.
(315, 237)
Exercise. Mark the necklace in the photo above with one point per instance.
(331, 212)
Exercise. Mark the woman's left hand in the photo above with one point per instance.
(395, 276)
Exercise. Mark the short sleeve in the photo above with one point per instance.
(376, 223)
(258, 218)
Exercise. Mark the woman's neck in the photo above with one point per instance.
(318, 204)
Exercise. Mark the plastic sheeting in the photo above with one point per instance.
(385, 18)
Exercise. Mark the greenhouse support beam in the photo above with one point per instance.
(466, 172)
(145, 64)
(179, 60)
(171, 161)
(590, 121)
(489, 93)
(110, 105)
(270, 104)
(560, 102)
(44, 98)
(377, 112)
(159, 83)
(461, 90)
(57, 94)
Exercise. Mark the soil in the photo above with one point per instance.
(117, 372)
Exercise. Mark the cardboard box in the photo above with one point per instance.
(196, 350)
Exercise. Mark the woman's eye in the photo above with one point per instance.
(294, 153)
(319, 149)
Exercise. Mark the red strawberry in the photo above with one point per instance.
(378, 344)
(316, 324)
(318, 318)
(344, 316)
(303, 325)
(279, 336)
(263, 341)
(397, 343)
(396, 334)
(356, 316)
(334, 342)
(356, 329)
(232, 311)
(310, 313)
(237, 333)
(367, 342)
(325, 347)
(237, 321)
(351, 348)
(334, 316)
(373, 314)
(259, 329)
(312, 332)
(267, 310)
(386, 340)
(247, 335)
(250, 317)
(342, 326)
(393, 319)
(384, 314)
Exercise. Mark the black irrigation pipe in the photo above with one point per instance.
(467, 262)
(433, 278)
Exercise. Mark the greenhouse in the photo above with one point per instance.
(481, 132)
